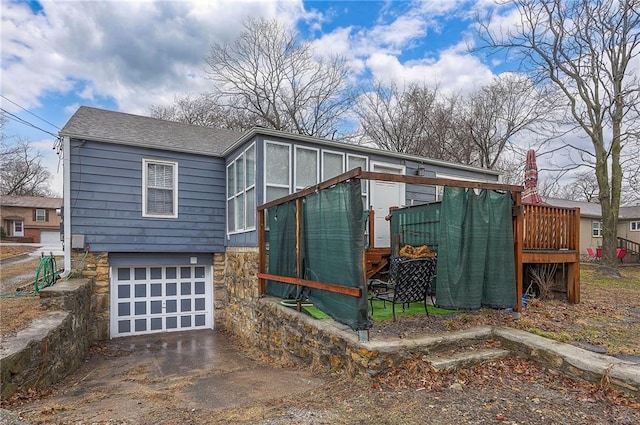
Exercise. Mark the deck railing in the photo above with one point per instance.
(551, 228)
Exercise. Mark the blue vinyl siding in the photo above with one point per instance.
(106, 201)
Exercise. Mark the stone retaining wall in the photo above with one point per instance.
(283, 332)
(54, 345)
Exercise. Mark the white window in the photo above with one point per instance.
(41, 215)
(307, 167)
(634, 226)
(241, 192)
(332, 164)
(355, 161)
(277, 166)
(159, 189)
(596, 229)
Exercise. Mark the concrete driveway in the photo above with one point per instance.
(182, 377)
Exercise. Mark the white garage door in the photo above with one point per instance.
(50, 237)
(160, 299)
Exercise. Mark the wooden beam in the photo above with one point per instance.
(345, 290)
(550, 256)
(518, 227)
(437, 181)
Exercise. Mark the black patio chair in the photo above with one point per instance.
(409, 282)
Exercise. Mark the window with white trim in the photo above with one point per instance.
(241, 192)
(41, 215)
(355, 161)
(159, 189)
(332, 164)
(277, 166)
(307, 166)
(596, 229)
(634, 226)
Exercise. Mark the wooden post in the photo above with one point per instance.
(262, 251)
(372, 226)
(298, 248)
(518, 222)
(573, 269)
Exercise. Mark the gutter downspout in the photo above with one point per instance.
(66, 196)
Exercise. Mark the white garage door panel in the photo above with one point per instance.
(50, 237)
(160, 299)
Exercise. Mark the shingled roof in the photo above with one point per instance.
(117, 127)
(30, 201)
(593, 210)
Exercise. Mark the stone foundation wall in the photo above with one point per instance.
(239, 313)
(296, 337)
(94, 267)
(287, 334)
(54, 345)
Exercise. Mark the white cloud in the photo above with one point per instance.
(453, 71)
(135, 52)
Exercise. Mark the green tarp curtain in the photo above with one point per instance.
(282, 248)
(417, 225)
(332, 250)
(476, 265)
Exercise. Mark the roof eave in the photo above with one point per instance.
(137, 144)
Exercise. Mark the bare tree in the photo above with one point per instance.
(202, 110)
(584, 187)
(494, 114)
(21, 170)
(273, 76)
(585, 48)
(412, 119)
(395, 118)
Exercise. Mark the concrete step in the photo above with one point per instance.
(465, 359)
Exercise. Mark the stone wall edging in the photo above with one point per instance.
(54, 345)
(296, 337)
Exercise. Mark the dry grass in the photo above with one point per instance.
(17, 313)
(9, 250)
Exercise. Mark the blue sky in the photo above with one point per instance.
(129, 55)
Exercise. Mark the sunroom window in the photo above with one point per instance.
(277, 170)
(307, 167)
(241, 192)
(332, 164)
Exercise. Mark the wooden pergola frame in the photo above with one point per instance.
(517, 223)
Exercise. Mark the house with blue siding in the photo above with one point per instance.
(160, 207)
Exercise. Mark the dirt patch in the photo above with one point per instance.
(607, 318)
(9, 250)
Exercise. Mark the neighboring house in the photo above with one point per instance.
(164, 204)
(31, 219)
(591, 222)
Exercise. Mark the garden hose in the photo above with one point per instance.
(46, 273)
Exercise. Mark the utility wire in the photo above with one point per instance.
(27, 123)
(29, 112)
